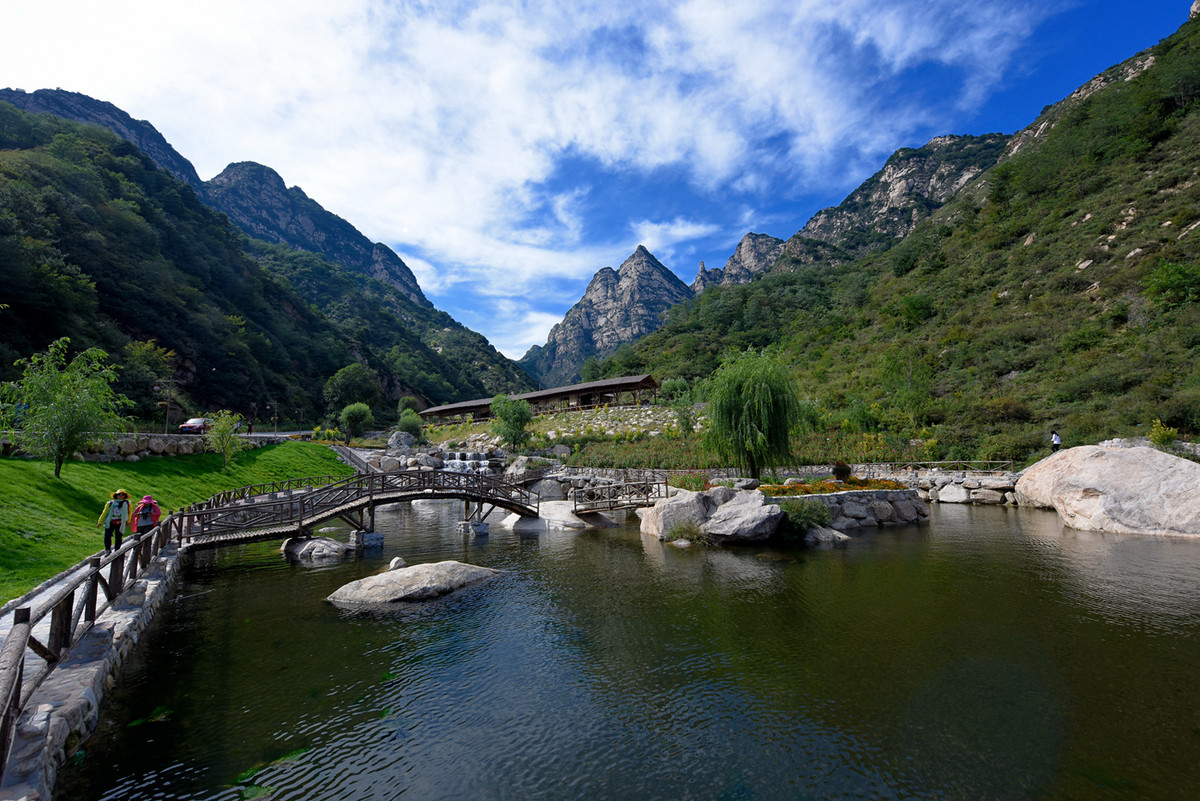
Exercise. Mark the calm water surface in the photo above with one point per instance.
(991, 654)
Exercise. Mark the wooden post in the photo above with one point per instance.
(60, 626)
(12, 677)
(116, 575)
(93, 586)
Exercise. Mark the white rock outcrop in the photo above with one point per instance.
(1119, 490)
(314, 549)
(725, 514)
(413, 583)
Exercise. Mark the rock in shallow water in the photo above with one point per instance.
(414, 583)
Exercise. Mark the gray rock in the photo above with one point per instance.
(745, 518)
(953, 493)
(824, 536)
(682, 507)
(400, 440)
(548, 489)
(397, 563)
(986, 496)
(389, 464)
(414, 583)
(746, 483)
(314, 549)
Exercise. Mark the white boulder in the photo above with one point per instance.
(413, 583)
(744, 518)
(1119, 490)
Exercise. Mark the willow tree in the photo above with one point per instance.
(753, 404)
(60, 407)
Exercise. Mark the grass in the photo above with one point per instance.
(49, 524)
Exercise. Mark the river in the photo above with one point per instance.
(989, 654)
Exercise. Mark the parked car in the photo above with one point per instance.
(197, 425)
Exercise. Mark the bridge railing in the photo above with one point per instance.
(72, 601)
(253, 507)
(619, 496)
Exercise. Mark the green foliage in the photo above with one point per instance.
(695, 482)
(1173, 284)
(804, 514)
(1163, 437)
(687, 530)
(673, 389)
(354, 383)
(222, 436)
(685, 418)
(753, 406)
(841, 471)
(407, 404)
(355, 419)
(410, 422)
(58, 408)
(511, 420)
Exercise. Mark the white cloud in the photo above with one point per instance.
(440, 128)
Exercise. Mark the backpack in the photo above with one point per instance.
(145, 515)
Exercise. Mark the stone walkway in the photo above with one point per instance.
(64, 710)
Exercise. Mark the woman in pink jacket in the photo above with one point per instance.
(145, 516)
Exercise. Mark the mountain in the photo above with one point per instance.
(913, 183)
(81, 108)
(754, 256)
(256, 200)
(1058, 287)
(618, 307)
(99, 244)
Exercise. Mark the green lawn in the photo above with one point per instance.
(49, 524)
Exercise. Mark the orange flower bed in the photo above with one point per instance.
(829, 485)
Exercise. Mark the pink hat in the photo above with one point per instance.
(147, 498)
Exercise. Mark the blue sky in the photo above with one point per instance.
(507, 150)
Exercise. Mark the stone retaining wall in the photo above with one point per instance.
(952, 486)
(135, 447)
(869, 508)
(65, 709)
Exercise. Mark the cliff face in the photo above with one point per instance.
(887, 206)
(619, 306)
(256, 199)
(754, 256)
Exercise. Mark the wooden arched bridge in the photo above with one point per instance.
(293, 507)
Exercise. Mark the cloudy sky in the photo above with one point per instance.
(508, 150)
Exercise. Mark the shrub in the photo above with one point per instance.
(1163, 437)
(804, 514)
(695, 482)
(410, 422)
(687, 530)
(841, 471)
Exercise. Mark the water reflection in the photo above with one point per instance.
(991, 654)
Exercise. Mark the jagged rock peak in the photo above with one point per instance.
(1195, 12)
(706, 278)
(753, 257)
(619, 306)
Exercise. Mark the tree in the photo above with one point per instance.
(354, 383)
(407, 404)
(512, 418)
(59, 408)
(355, 418)
(753, 405)
(222, 436)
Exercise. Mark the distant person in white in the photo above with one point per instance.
(1055, 441)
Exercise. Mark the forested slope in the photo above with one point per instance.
(1061, 289)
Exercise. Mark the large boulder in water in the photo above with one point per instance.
(413, 583)
(1119, 490)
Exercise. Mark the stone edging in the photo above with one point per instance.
(65, 708)
(868, 508)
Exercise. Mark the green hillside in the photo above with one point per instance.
(99, 245)
(1060, 290)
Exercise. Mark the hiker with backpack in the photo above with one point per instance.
(145, 516)
(115, 519)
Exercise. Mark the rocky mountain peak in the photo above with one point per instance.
(618, 306)
(754, 256)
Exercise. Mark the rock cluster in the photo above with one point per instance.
(403, 453)
(855, 509)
